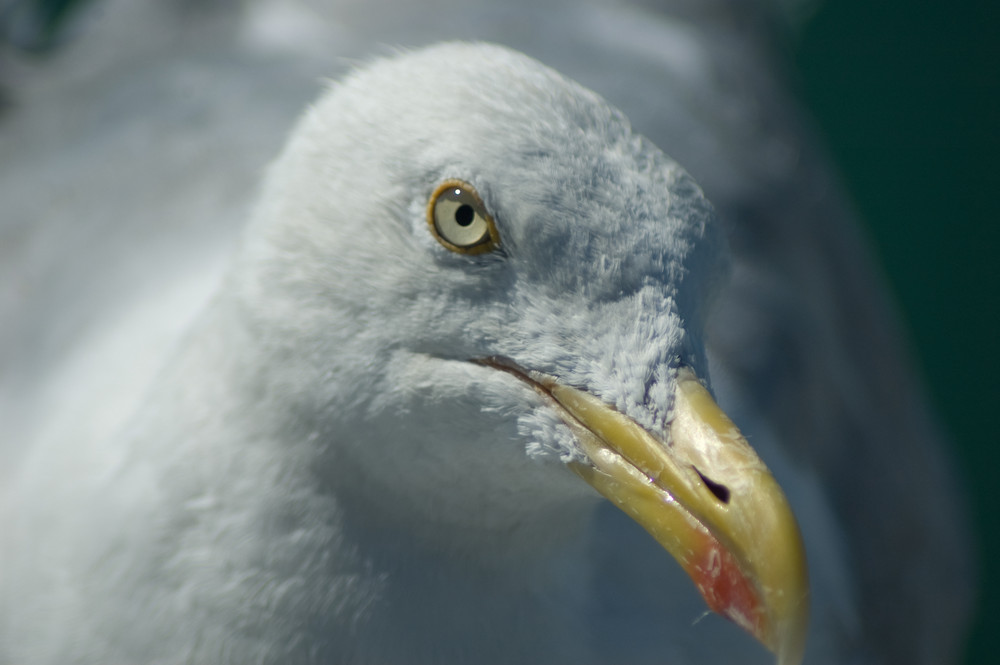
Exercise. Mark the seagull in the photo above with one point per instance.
(471, 301)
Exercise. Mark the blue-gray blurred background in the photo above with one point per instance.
(906, 96)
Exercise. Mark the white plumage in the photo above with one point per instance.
(304, 467)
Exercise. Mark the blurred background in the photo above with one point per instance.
(907, 98)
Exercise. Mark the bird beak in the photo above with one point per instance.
(706, 497)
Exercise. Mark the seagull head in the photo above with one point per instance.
(482, 297)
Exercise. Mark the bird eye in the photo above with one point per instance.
(458, 219)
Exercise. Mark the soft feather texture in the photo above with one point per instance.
(153, 157)
(321, 427)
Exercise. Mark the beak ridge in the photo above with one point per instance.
(709, 500)
(704, 495)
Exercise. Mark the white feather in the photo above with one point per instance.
(209, 478)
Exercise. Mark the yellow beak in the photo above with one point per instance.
(706, 497)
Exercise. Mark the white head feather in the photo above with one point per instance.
(323, 424)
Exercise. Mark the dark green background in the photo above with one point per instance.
(906, 96)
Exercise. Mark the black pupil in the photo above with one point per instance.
(464, 215)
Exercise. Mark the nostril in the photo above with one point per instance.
(720, 491)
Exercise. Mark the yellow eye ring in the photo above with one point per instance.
(458, 219)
